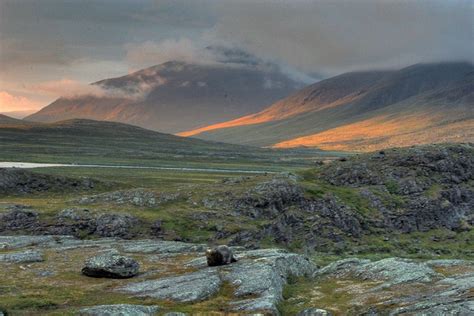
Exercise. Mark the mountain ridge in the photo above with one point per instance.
(442, 93)
(174, 96)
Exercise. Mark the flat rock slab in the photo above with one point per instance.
(191, 287)
(120, 310)
(314, 312)
(154, 246)
(264, 273)
(391, 270)
(260, 274)
(451, 296)
(28, 256)
(15, 242)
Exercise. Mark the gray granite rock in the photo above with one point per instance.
(448, 263)
(450, 296)
(314, 312)
(190, 287)
(264, 274)
(15, 242)
(396, 271)
(116, 225)
(111, 265)
(27, 256)
(157, 246)
(340, 267)
(120, 310)
(391, 270)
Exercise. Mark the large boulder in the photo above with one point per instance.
(111, 265)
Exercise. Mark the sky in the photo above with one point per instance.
(50, 48)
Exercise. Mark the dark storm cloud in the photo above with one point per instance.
(87, 40)
(62, 31)
(314, 35)
(342, 35)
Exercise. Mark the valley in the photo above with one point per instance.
(236, 158)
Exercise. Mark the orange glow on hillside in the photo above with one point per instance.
(279, 111)
(382, 130)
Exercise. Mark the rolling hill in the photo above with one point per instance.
(363, 111)
(109, 143)
(178, 96)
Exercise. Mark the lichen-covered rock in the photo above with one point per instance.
(120, 310)
(391, 270)
(27, 256)
(21, 181)
(137, 197)
(111, 265)
(451, 297)
(190, 287)
(74, 221)
(396, 271)
(161, 247)
(314, 312)
(116, 225)
(341, 267)
(264, 276)
(19, 217)
(15, 242)
(269, 198)
(258, 277)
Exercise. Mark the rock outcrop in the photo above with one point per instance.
(120, 310)
(175, 276)
(21, 181)
(22, 257)
(399, 190)
(72, 221)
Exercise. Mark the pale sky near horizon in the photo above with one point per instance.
(51, 46)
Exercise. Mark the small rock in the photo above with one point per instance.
(22, 257)
(45, 273)
(111, 265)
(220, 255)
(119, 310)
(156, 228)
(314, 312)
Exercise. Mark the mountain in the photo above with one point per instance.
(363, 111)
(178, 96)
